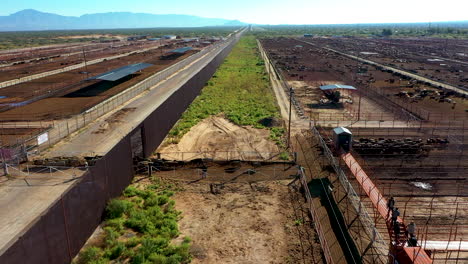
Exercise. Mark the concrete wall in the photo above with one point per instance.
(58, 235)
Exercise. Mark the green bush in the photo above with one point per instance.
(111, 236)
(117, 224)
(116, 207)
(151, 245)
(138, 221)
(89, 255)
(131, 191)
(138, 259)
(284, 156)
(133, 242)
(157, 259)
(117, 250)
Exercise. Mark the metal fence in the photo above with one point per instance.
(62, 128)
(60, 231)
(315, 217)
(284, 84)
(68, 68)
(220, 155)
(378, 244)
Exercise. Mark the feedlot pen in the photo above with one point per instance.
(242, 212)
(429, 186)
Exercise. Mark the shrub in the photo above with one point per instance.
(117, 224)
(187, 240)
(89, 255)
(150, 245)
(111, 236)
(117, 250)
(139, 222)
(284, 156)
(157, 259)
(116, 208)
(130, 191)
(138, 259)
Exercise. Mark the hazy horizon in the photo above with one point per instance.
(272, 12)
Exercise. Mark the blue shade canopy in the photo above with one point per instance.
(336, 86)
(119, 73)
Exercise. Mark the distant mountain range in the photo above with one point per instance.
(31, 19)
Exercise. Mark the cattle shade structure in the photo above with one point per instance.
(336, 86)
(119, 73)
(181, 50)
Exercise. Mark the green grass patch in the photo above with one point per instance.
(139, 228)
(240, 89)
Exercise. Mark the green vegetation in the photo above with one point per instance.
(240, 90)
(387, 32)
(139, 228)
(434, 30)
(23, 39)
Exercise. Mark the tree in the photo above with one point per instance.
(387, 32)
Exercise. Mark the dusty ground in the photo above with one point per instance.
(58, 105)
(245, 223)
(216, 134)
(315, 67)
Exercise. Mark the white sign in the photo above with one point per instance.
(43, 138)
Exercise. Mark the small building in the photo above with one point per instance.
(308, 36)
(154, 39)
(169, 37)
(342, 139)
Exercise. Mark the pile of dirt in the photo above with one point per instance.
(215, 134)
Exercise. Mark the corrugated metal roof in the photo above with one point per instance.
(341, 130)
(119, 73)
(181, 50)
(336, 86)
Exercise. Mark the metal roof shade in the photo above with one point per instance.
(181, 50)
(336, 86)
(342, 130)
(119, 73)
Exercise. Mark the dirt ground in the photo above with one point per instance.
(58, 105)
(244, 223)
(314, 67)
(217, 134)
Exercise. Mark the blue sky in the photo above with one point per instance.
(264, 11)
